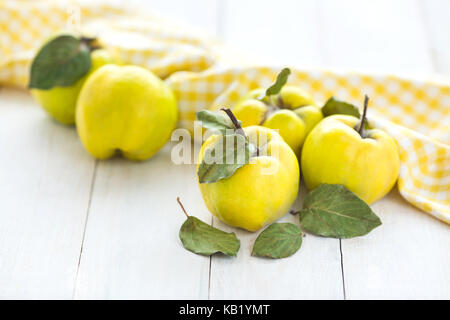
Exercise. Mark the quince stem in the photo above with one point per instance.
(235, 122)
(182, 207)
(363, 118)
(90, 42)
(273, 102)
(239, 129)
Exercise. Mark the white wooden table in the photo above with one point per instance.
(74, 227)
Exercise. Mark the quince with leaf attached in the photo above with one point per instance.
(339, 150)
(59, 71)
(256, 191)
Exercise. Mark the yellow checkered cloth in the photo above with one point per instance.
(205, 74)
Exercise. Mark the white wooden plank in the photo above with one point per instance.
(382, 36)
(131, 249)
(435, 14)
(281, 32)
(314, 272)
(276, 33)
(408, 256)
(45, 183)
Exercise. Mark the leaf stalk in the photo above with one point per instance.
(182, 207)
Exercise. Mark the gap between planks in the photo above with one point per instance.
(221, 22)
(91, 192)
(321, 32)
(342, 269)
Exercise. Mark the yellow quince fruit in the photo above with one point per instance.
(365, 162)
(125, 108)
(251, 112)
(259, 192)
(60, 101)
(292, 111)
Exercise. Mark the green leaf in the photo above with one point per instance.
(279, 240)
(215, 121)
(223, 158)
(334, 211)
(334, 106)
(60, 62)
(279, 83)
(201, 238)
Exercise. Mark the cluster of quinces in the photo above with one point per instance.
(128, 108)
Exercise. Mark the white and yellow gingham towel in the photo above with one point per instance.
(204, 74)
